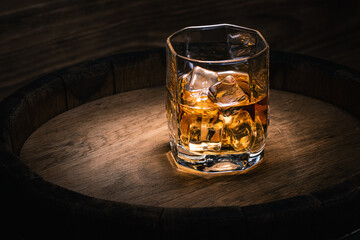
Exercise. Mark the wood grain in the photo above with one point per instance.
(139, 69)
(39, 37)
(115, 148)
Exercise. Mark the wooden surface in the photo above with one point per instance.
(116, 148)
(38, 37)
(29, 201)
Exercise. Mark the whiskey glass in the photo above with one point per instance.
(217, 97)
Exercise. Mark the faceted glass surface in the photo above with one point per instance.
(217, 97)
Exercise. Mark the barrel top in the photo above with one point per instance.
(87, 148)
(117, 148)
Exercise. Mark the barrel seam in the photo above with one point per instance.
(65, 91)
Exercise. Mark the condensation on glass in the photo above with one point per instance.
(217, 98)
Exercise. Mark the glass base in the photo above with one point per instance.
(214, 163)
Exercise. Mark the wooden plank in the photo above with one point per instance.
(296, 213)
(88, 81)
(309, 76)
(30, 107)
(180, 223)
(139, 70)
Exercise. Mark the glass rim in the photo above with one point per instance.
(213, 26)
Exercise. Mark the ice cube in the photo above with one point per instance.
(200, 132)
(202, 79)
(241, 132)
(195, 87)
(205, 135)
(227, 93)
(196, 99)
(242, 78)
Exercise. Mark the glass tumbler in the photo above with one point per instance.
(217, 98)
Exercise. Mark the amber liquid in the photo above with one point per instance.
(206, 127)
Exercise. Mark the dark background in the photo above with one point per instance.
(40, 36)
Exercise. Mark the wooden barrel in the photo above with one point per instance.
(84, 154)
